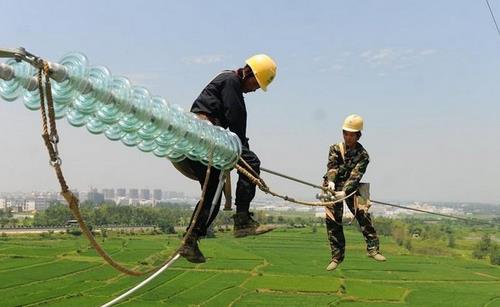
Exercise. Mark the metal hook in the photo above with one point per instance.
(53, 163)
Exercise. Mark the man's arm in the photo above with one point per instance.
(333, 164)
(234, 107)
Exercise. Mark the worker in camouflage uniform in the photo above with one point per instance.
(347, 162)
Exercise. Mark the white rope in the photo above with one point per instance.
(124, 295)
(218, 193)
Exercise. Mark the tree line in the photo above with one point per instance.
(439, 237)
(419, 236)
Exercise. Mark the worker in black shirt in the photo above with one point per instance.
(222, 103)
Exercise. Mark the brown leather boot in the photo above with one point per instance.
(245, 225)
(191, 251)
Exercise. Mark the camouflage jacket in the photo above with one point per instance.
(346, 174)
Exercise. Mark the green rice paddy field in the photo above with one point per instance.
(283, 268)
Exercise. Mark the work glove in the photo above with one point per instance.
(326, 195)
(331, 186)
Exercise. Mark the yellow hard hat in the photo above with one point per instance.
(263, 68)
(353, 123)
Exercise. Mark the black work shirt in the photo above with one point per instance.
(222, 101)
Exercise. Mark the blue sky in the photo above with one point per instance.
(423, 74)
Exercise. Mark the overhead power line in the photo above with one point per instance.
(493, 16)
(475, 221)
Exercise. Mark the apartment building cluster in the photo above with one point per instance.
(39, 201)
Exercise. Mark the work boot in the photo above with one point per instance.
(377, 256)
(245, 225)
(334, 263)
(191, 251)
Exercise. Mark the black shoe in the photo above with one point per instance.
(245, 225)
(191, 251)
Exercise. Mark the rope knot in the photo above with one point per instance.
(46, 67)
(263, 188)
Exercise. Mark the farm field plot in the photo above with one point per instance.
(283, 268)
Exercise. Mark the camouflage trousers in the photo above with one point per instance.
(335, 230)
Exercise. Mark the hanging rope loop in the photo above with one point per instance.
(52, 139)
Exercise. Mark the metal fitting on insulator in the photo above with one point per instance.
(6, 72)
(58, 72)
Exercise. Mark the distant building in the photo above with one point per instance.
(15, 204)
(121, 192)
(145, 194)
(133, 193)
(43, 202)
(95, 197)
(3, 203)
(157, 195)
(166, 195)
(29, 205)
(109, 194)
(174, 195)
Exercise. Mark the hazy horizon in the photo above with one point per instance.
(424, 75)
